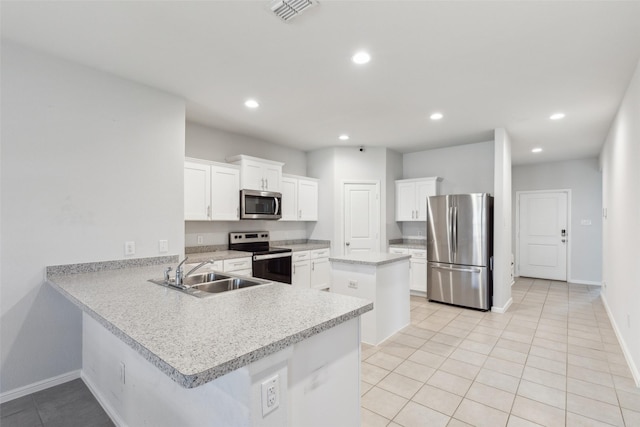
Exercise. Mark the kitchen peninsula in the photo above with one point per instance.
(157, 356)
(379, 277)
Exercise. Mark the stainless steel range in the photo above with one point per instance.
(269, 262)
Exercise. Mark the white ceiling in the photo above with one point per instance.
(483, 64)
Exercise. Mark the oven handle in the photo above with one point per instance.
(271, 256)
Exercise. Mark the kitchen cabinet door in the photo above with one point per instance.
(418, 274)
(405, 201)
(301, 274)
(424, 189)
(320, 273)
(258, 174)
(307, 200)
(289, 190)
(197, 191)
(225, 194)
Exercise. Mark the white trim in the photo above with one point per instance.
(517, 227)
(625, 350)
(502, 310)
(39, 386)
(112, 413)
(584, 282)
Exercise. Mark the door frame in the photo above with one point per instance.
(567, 191)
(343, 184)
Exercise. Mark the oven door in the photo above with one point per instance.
(276, 267)
(260, 204)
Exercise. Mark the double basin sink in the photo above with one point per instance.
(206, 284)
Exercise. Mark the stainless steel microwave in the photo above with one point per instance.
(255, 204)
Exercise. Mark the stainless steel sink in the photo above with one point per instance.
(208, 284)
(197, 279)
(225, 285)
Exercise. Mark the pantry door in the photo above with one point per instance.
(361, 217)
(543, 234)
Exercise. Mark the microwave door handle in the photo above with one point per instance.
(277, 205)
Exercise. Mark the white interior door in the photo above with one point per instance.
(361, 217)
(543, 235)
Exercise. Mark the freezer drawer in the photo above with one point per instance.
(467, 286)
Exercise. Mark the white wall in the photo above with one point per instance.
(204, 142)
(502, 278)
(335, 165)
(394, 172)
(620, 161)
(584, 179)
(464, 169)
(89, 161)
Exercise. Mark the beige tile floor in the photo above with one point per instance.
(552, 360)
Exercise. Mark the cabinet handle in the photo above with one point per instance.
(209, 211)
(294, 269)
(313, 265)
(262, 183)
(237, 212)
(266, 181)
(299, 213)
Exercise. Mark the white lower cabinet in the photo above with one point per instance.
(418, 268)
(301, 269)
(311, 269)
(320, 269)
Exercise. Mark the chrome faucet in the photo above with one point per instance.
(198, 266)
(179, 273)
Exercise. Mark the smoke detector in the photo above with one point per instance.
(289, 9)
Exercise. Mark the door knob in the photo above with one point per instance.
(347, 243)
(564, 240)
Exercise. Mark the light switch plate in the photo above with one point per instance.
(129, 248)
(163, 246)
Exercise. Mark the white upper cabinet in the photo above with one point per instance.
(258, 174)
(299, 198)
(225, 193)
(197, 191)
(211, 191)
(411, 197)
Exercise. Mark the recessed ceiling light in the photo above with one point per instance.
(436, 116)
(361, 58)
(557, 116)
(536, 150)
(343, 137)
(251, 103)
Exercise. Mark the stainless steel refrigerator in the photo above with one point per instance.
(460, 249)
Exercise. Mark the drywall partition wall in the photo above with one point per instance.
(621, 226)
(464, 169)
(89, 161)
(393, 173)
(334, 166)
(204, 142)
(502, 278)
(584, 179)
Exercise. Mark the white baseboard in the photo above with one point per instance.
(504, 309)
(112, 413)
(39, 386)
(584, 282)
(625, 350)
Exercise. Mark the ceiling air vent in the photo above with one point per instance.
(289, 9)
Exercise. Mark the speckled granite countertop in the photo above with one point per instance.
(216, 255)
(408, 246)
(195, 340)
(305, 246)
(370, 258)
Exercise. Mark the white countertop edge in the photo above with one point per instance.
(370, 259)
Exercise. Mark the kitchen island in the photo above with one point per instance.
(156, 356)
(379, 277)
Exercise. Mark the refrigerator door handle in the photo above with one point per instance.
(464, 270)
(454, 225)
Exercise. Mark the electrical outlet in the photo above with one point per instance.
(163, 246)
(129, 248)
(270, 395)
(353, 284)
(200, 240)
